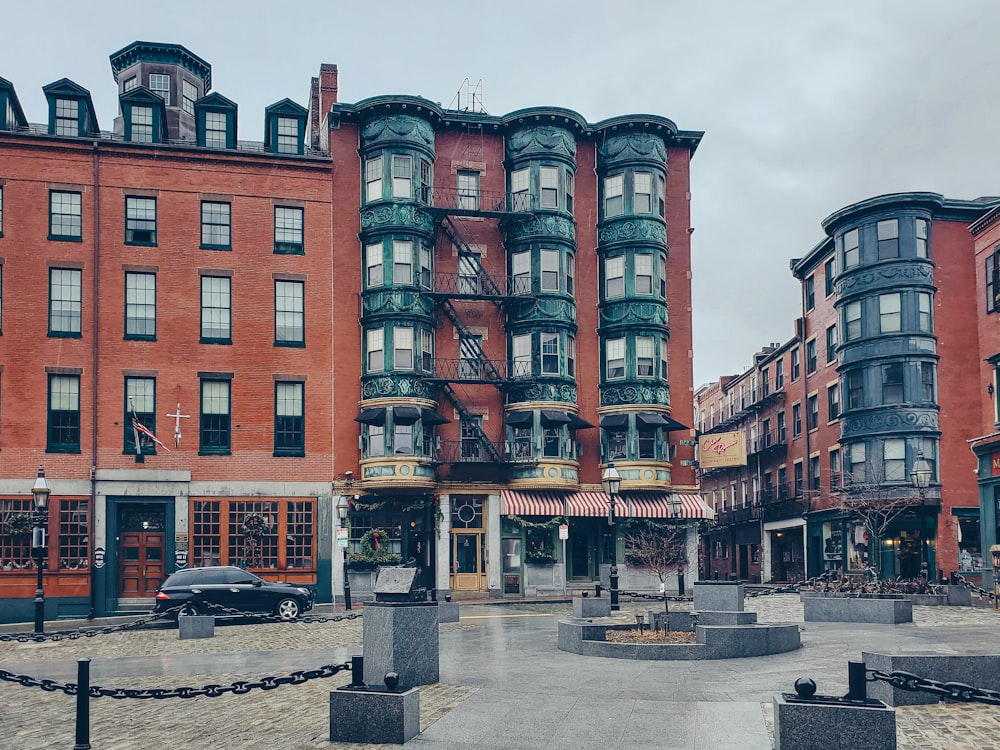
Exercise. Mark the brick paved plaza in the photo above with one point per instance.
(504, 685)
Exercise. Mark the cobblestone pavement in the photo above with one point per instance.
(297, 716)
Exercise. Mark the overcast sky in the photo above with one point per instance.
(806, 107)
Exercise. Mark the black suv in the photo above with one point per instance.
(194, 590)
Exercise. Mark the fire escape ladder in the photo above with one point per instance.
(469, 417)
(487, 285)
(486, 365)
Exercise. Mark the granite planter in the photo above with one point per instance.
(857, 609)
(802, 725)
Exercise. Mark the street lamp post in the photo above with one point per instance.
(675, 513)
(612, 482)
(40, 494)
(342, 508)
(920, 475)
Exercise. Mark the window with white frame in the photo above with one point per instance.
(427, 350)
(569, 190)
(468, 190)
(520, 352)
(922, 230)
(373, 264)
(615, 357)
(520, 270)
(852, 320)
(289, 313)
(189, 94)
(894, 459)
(889, 307)
(570, 273)
(925, 321)
(520, 186)
(857, 459)
(402, 348)
(614, 277)
(644, 356)
(643, 273)
(402, 176)
(426, 267)
(642, 201)
(402, 262)
(614, 196)
(376, 349)
(852, 255)
(550, 270)
(549, 183)
(469, 267)
(160, 85)
(426, 182)
(373, 179)
(664, 349)
(888, 239)
(571, 356)
(550, 353)
(216, 310)
(928, 377)
(140, 305)
(376, 440)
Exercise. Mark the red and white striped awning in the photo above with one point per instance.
(658, 505)
(531, 503)
(587, 504)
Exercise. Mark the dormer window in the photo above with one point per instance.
(141, 130)
(288, 136)
(71, 112)
(67, 117)
(143, 116)
(285, 128)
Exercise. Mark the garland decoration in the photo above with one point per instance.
(556, 521)
(17, 524)
(254, 526)
(403, 506)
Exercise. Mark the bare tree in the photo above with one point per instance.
(660, 548)
(876, 503)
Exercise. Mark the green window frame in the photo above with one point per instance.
(140, 306)
(289, 418)
(216, 310)
(65, 216)
(65, 302)
(140, 400)
(288, 230)
(66, 117)
(141, 121)
(289, 313)
(216, 225)
(63, 428)
(215, 417)
(140, 220)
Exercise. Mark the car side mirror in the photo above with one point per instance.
(258, 583)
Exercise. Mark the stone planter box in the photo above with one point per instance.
(926, 600)
(540, 580)
(981, 671)
(362, 585)
(592, 606)
(857, 609)
(809, 726)
(718, 596)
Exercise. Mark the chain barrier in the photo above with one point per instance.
(259, 617)
(974, 588)
(240, 687)
(72, 635)
(956, 691)
(654, 597)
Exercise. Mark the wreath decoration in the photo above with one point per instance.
(254, 526)
(16, 524)
(372, 541)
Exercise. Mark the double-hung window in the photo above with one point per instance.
(855, 455)
(922, 229)
(796, 367)
(852, 321)
(289, 419)
(570, 273)
(289, 313)
(140, 402)
(376, 440)
(796, 420)
(426, 269)
(469, 267)
(216, 225)
(833, 402)
(993, 282)
(288, 135)
(65, 302)
(810, 290)
(189, 95)
(67, 117)
(468, 190)
(520, 185)
(571, 356)
(925, 321)
(520, 271)
(140, 221)
(614, 277)
(216, 310)
(426, 182)
(373, 179)
(550, 270)
(643, 273)
(829, 274)
(288, 221)
(140, 305)
(615, 358)
(402, 348)
(614, 196)
(644, 356)
(642, 200)
(374, 265)
(141, 124)
(894, 459)
(65, 216)
(402, 262)
(402, 438)
(427, 350)
(216, 129)
(402, 176)
(852, 254)
(550, 353)
(831, 344)
(159, 84)
(889, 307)
(888, 239)
(549, 184)
(216, 417)
(569, 191)
(64, 414)
(892, 384)
(855, 389)
(811, 358)
(813, 414)
(375, 341)
(520, 352)
(927, 382)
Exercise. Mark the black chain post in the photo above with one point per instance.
(857, 681)
(82, 705)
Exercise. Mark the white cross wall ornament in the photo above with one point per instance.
(177, 417)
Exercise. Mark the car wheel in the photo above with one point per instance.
(189, 610)
(288, 609)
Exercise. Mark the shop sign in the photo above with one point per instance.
(722, 449)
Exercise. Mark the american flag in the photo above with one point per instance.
(141, 429)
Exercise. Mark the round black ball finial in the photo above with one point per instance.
(392, 681)
(805, 687)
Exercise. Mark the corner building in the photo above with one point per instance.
(413, 331)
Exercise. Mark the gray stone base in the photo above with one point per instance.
(195, 626)
(373, 717)
(681, 622)
(982, 671)
(592, 607)
(726, 618)
(720, 596)
(401, 638)
(885, 611)
(800, 726)
(448, 612)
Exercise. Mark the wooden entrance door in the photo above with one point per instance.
(141, 566)
(467, 557)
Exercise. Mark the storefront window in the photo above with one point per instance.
(858, 549)
(833, 545)
(254, 534)
(970, 554)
